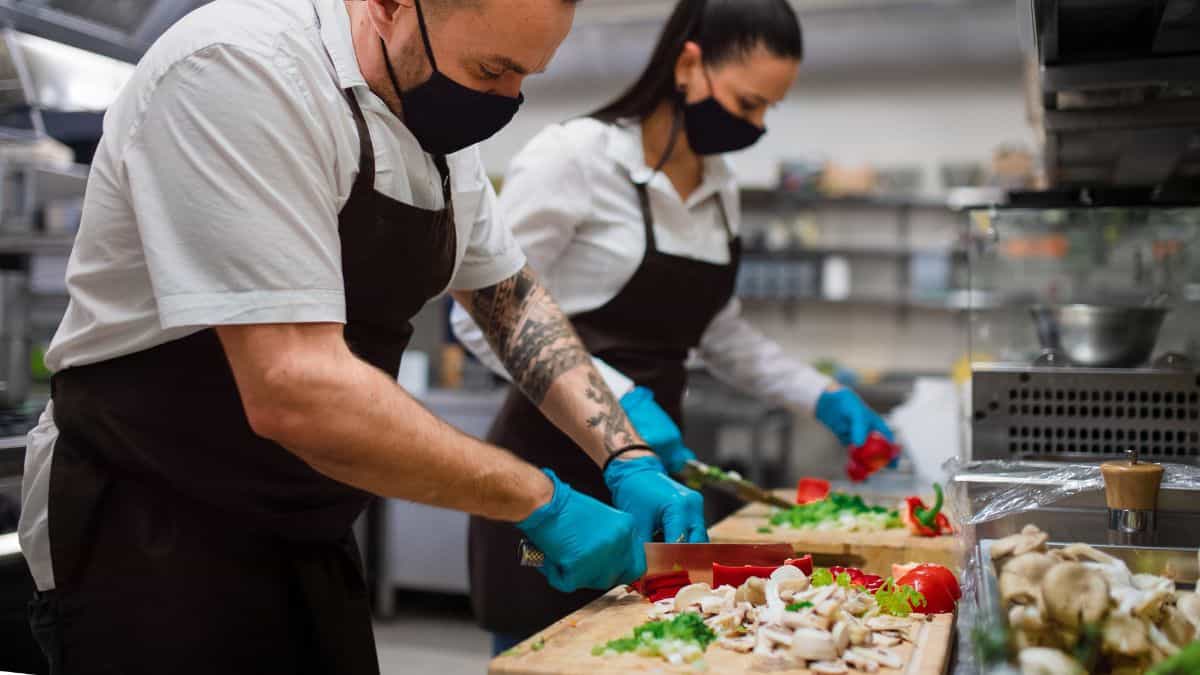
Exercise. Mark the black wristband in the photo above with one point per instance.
(638, 447)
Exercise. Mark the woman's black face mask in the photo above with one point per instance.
(446, 116)
(713, 130)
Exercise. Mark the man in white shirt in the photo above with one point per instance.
(280, 188)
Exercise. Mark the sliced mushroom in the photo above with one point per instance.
(777, 636)
(742, 644)
(793, 584)
(829, 608)
(1025, 617)
(841, 636)
(1045, 661)
(813, 645)
(1021, 580)
(753, 591)
(1083, 552)
(859, 662)
(828, 668)
(1160, 641)
(888, 639)
(787, 572)
(1126, 635)
(1178, 629)
(883, 657)
(1028, 539)
(712, 604)
(1074, 594)
(1189, 604)
(795, 620)
(692, 595)
(888, 622)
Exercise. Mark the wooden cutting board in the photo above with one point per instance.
(566, 647)
(873, 552)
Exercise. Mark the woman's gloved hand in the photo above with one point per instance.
(587, 543)
(657, 428)
(849, 418)
(641, 488)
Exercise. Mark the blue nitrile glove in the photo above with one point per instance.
(641, 488)
(588, 544)
(849, 418)
(657, 428)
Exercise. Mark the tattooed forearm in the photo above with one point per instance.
(611, 419)
(528, 332)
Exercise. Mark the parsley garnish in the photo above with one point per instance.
(797, 606)
(898, 600)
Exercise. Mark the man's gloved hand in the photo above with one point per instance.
(641, 488)
(657, 428)
(587, 543)
(849, 418)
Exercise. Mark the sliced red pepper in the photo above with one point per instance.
(939, 586)
(810, 490)
(926, 522)
(736, 575)
(871, 582)
(870, 457)
(660, 586)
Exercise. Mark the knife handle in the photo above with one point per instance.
(529, 555)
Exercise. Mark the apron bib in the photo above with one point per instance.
(183, 542)
(645, 332)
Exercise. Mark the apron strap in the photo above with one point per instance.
(647, 215)
(365, 181)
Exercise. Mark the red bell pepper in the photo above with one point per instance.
(939, 586)
(736, 575)
(810, 490)
(804, 562)
(871, 582)
(926, 522)
(870, 457)
(662, 586)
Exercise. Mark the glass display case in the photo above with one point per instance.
(1085, 333)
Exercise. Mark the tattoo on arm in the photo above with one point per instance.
(529, 333)
(611, 419)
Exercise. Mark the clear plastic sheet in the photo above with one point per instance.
(1040, 487)
(1037, 487)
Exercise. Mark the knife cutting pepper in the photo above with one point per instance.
(736, 575)
(923, 521)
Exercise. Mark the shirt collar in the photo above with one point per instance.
(625, 148)
(339, 43)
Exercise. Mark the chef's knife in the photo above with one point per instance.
(699, 473)
(697, 559)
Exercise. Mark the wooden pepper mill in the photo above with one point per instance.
(1131, 490)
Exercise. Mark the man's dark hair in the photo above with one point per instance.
(724, 29)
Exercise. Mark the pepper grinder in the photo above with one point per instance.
(1131, 491)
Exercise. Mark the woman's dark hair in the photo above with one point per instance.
(724, 29)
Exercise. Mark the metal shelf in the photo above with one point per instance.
(30, 244)
(898, 251)
(954, 302)
(758, 198)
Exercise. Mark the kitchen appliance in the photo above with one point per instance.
(1083, 353)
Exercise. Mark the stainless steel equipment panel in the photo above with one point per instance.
(1023, 412)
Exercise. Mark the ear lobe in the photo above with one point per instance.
(689, 61)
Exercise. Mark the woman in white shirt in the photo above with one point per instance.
(630, 216)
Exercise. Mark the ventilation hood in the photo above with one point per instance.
(121, 29)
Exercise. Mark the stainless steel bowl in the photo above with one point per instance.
(1099, 336)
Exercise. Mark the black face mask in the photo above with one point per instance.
(713, 130)
(446, 116)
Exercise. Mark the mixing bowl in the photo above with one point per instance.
(1100, 336)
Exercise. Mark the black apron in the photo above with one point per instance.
(184, 543)
(645, 332)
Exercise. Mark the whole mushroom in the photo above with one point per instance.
(1028, 539)
(1075, 595)
(1021, 580)
(1046, 661)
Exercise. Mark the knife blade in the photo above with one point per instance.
(697, 559)
(697, 472)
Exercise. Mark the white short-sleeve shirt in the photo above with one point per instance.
(214, 197)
